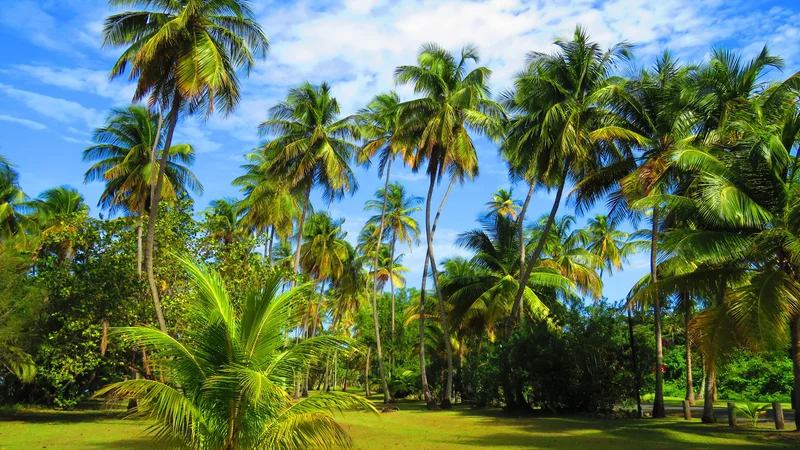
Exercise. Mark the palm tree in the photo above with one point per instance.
(311, 147)
(608, 243)
(268, 201)
(127, 155)
(51, 212)
(662, 105)
(566, 95)
(223, 220)
(183, 55)
(504, 203)
(379, 125)
(325, 259)
(399, 227)
(453, 101)
(227, 384)
(11, 196)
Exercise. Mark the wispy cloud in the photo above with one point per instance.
(56, 108)
(79, 79)
(33, 125)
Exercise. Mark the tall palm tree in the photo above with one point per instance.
(183, 55)
(663, 105)
(50, 213)
(504, 203)
(608, 243)
(268, 202)
(379, 125)
(311, 147)
(223, 220)
(127, 151)
(399, 225)
(227, 384)
(453, 101)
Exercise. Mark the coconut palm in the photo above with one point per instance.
(504, 203)
(183, 55)
(453, 101)
(51, 212)
(608, 243)
(227, 384)
(11, 196)
(399, 225)
(663, 105)
(311, 147)
(574, 130)
(127, 154)
(269, 203)
(379, 125)
(223, 219)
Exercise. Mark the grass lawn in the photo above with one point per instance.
(787, 406)
(413, 428)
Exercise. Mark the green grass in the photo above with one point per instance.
(413, 427)
(787, 406)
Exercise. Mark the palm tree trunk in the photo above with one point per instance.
(711, 386)
(701, 394)
(521, 224)
(689, 381)
(387, 396)
(426, 392)
(155, 197)
(271, 241)
(516, 309)
(447, 399)
(300, 226)
(636, 381)
(391, 287)
(367, 393)
(795, 334)
(139, 230)
(658, 401)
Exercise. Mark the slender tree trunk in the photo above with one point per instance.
(447, 399)
(701, 394)
(311, 333)
(387, 396)
(391, 288)
(271, 241)
(658, 401)
(795, 335)
(636, 381)
(155, 197)
(521, 225)
(689, 381)
(139, 230)
(516, 309)
(367, 392)
(711, 386)
(426, 392)
(300, 226)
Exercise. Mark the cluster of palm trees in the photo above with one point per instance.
(703, 152)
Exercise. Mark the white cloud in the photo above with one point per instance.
(195, 132)
(80, 79)
(76, 141)
(25, 122)
(56, 108)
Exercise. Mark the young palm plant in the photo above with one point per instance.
(227, 384)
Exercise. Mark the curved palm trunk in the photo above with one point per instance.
(391, 287)
(516, 309)
(689, 381)
(426, 391)
(139, 230)
(448, 397)
(155, 197)
(367, 393)
(658, 401)
(521, 224)
(387, 396)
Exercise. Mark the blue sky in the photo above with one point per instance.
(54, 86)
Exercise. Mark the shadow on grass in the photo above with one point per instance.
(58, 416)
